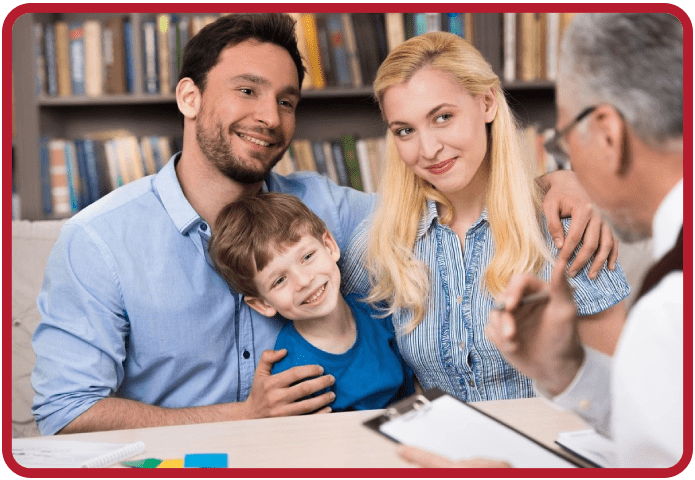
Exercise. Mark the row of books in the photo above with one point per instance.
(350, 161)
(77, 172)
(94, 58)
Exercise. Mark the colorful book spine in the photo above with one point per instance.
(93, 186)
(319, 158)
(74, 181)
(325, 52)
(341, 61)
(163, 52)
(60, 196)
(76, 42)
(114, 56)
(351, 49)
(455, 24)
(312, 45)
(82, 193)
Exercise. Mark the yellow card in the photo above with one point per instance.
(178, 463)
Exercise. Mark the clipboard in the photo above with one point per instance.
(440, 423)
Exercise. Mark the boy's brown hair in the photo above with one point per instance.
(250, 231)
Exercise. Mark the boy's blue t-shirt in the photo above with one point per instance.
(370, 375)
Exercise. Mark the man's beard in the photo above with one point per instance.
(217, 149)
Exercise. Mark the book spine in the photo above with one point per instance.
(51, 69)
(60, 196)
(319, 158)
(163, 54)
(76, 35)
(174, 50)
(340, 166)
(454, 24)
(312, 44)
(339, 51)
(114, 56)
(93, 188)
(325, 52)
(353, 167)
(40, 58)
(74, 184)
(93, 59)
(82, 186)
(63, 59)
(129, 56)
(330, 162)
(149, 30)
(552, 44)
(302, 47)
(45, 176)
(351, 49)
(395, 29)
(363, 162)
(509, 47)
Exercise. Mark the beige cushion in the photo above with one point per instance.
(31, 245)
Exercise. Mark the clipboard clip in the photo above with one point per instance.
(408, 407)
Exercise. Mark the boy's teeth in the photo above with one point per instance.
(318, 294)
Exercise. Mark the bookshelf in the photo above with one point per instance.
(329, 112)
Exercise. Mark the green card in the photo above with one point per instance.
(143, 463)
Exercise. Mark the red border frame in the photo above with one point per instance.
(323, 7)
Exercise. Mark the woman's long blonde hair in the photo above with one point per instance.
(513, 200)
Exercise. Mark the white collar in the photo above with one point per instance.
(668, 221)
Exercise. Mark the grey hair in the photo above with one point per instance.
(633, 61)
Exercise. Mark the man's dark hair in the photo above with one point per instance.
(202, 52)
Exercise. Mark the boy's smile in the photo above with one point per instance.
(301, 282)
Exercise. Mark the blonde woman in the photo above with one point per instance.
(459, 213)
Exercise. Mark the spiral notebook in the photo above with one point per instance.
(49, 453)
(442, 424)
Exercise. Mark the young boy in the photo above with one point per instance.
(277, 253)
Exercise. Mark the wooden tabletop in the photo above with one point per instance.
(336, 440)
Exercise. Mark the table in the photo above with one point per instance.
(336, 440)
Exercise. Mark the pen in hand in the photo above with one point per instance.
(531, 299)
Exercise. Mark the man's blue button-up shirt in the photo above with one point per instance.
(132, 307)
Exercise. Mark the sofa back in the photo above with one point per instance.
(31, 244)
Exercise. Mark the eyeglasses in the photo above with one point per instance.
(557, 144)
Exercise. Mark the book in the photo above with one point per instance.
(285, 166)
(163, 22)
(304, 155)
(552, 44)
(302, 47)
(395, 29)
(325, 52)
(40, 59)
(60, 195)
(82, 192)
(440, 423)
(93, 59)
(371, 52)
(509, 47)
(351, 161)
(351, 49)
(319, 158)
(312, 45)
(50, 52)
(339, 162)
(113, 47)
(128, 46)
(455, 23)
(50, 453)
(338, 49)
(62, 55)
(363, 162)
(46, 198)
(151, 64)
(330, 162)
(487, 38)
(74, 179)
(76, 45)
(92, 183)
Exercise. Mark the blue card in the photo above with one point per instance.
(205, 460)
